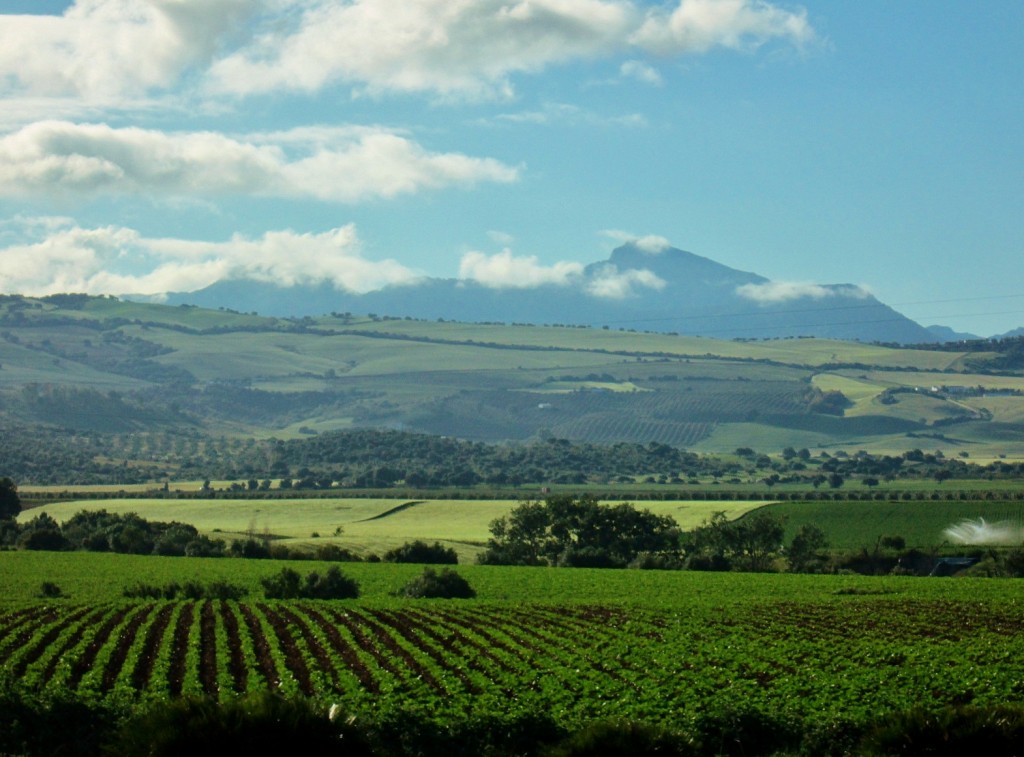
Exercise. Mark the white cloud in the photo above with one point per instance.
(105, 50)
(115, 260)
(611, 283)
(651, 244)
(641, 72)
(472, 47)
(339, 165)
(562, 113)
(697, 26)
(110, 52)
(774, 292)
(506, 271)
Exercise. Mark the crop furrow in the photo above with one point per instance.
(456, 632)
(292, 656)
(382, 635)
(321, 659)
(236, 655)
(261, 647)
(124, 643)
(178, 662)
(368, 644)
(208, 649)
(37, 650)
(347, 653)
(85, 662)
(151, 648)
(400, 624)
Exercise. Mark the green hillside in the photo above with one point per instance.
(107, 366)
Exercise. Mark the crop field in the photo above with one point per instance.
(853, 525)
(367, 525)
(579, 644)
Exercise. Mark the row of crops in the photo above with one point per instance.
(866, 654)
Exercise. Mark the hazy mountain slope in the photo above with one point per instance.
(669, 291)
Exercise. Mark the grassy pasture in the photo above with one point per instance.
(368, 525)
(852, 525)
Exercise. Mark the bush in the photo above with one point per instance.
(332, 585)
(189, 590)
(50, 590)
(422, 553)
(288, 584)
(991, 730)
(444, 585)
(334, 553)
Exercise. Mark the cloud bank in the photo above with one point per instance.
(611, 283)
(334, 165)
(506, 271)
(471, 47)
(116, 260)
(775, 292)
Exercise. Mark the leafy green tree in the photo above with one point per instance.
(577, 531)
(750, 543)
(805, 551)
(10, 503)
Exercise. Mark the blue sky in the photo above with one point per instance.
(160, 145)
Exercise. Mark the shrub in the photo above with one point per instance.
(283, 585)
(50, 590)
(334, 553)
(288, 584)
(422, 553)
(444, 585)
(332, 585)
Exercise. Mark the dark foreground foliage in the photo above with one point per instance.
(444, 585)
(34, 724)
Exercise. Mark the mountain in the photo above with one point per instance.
(946, 334)
(668, 291)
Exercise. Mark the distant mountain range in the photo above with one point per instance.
(668, 290)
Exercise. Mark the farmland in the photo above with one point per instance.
(580, 645)
(101, 366)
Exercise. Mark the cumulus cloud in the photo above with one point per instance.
(110, 49)
(611, 283)
(472, 47)
(697, 26)
(775, 292)
(335, 165)
(64, 257)
(507, 271)
(641, 72)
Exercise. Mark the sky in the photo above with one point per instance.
(149, 146)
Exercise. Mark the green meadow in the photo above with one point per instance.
(367, 526)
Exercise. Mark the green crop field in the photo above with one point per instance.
(853, 525)
(578, 645)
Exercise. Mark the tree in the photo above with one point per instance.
(10, 503)
(750, 543)
(576, 531)
(804, 554)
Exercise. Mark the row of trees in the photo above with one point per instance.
(577, 531)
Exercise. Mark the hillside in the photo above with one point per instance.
(100, 365)
(668, 291)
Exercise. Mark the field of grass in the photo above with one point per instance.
(852, 525)
(368, 526)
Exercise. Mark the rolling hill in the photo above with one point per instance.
(105, 366)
